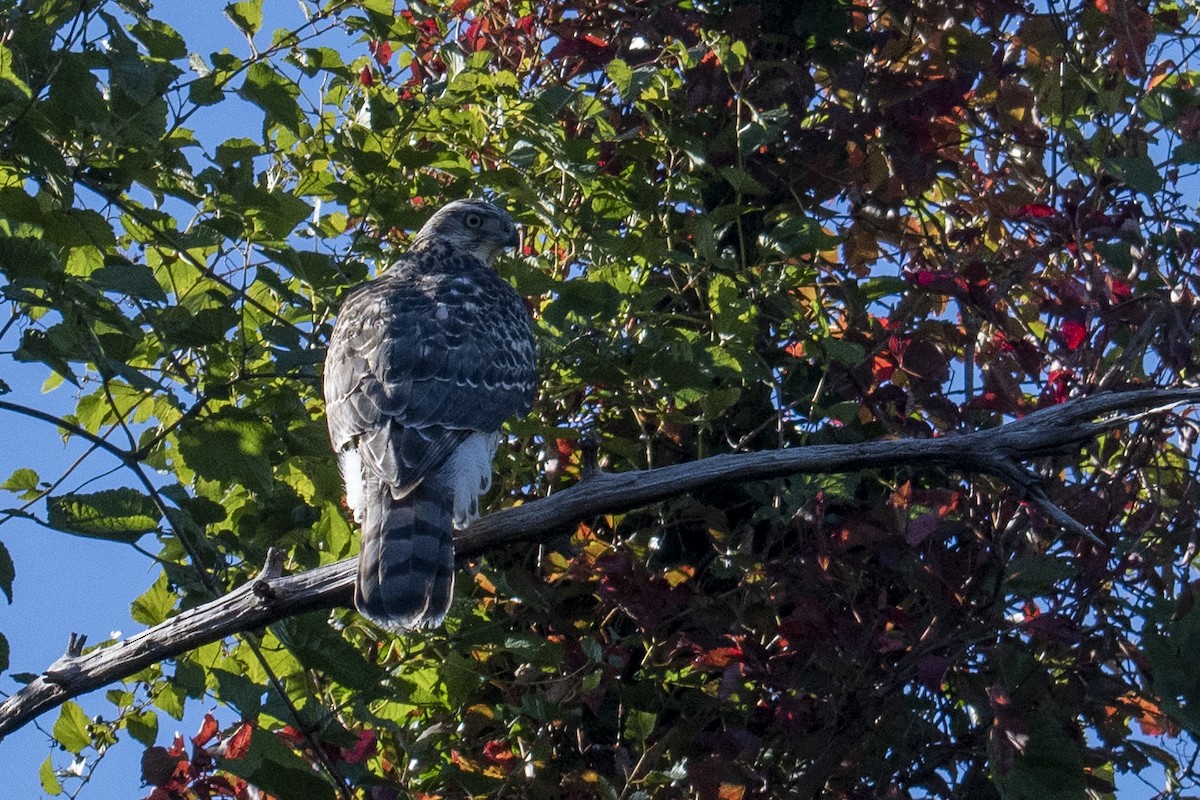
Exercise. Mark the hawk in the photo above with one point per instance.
(425, 363)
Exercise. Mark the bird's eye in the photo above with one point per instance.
(474, 220)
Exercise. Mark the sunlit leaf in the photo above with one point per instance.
(71, 728)
(246, 14)
(123, 515)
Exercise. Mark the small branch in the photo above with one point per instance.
(122, 455)
(268, 597)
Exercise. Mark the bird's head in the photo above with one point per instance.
(473, 225)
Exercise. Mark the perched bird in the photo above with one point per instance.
(425, 363)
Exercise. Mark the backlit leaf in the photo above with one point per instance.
(123, 515)
(71, 728)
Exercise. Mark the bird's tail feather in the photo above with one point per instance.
(406, 565)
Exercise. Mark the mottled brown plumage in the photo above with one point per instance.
(425, 364)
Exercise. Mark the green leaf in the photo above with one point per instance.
(278, 213)
(122, 515)
(848, 353)
(742, 181)
(1136, 172)
(170, 698)
(161, 40)
(23, 482)
(536, 650)
(799, 235)
(639, 725)
(1049, 766)
(12, 83)
(271, 766)
(332, 534)
(230, 446)
(247, 15)
(71, 729)
(554, 98)
(155, 604)
(8, 573)
(131, 279)
(190, 676)
(620, 73)
(48, 779)
(143, 727)
(1030, 575)
(239, 691)
(582, 299)
(26, 259)
(274, 94)
(47, 347)
(1171, 647)
(320, 647)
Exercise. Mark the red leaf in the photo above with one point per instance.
(158, 766)
(1121, 290)
(1034, 211)
(363, 749)
(1074, 334)
(239, 743)
(177, 747)
(383, 53)
(208, 731)
(1058, 386)
(882, 368)
(471, 37)
(366, 77)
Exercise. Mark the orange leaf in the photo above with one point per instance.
(239, 743)
(731, 791)
(208, 730)
(719, 657)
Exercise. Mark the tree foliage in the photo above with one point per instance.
(749, 226)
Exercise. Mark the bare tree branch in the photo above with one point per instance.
(271, 597)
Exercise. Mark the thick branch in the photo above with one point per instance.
(269, 597)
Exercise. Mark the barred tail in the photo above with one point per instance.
(406, 565)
